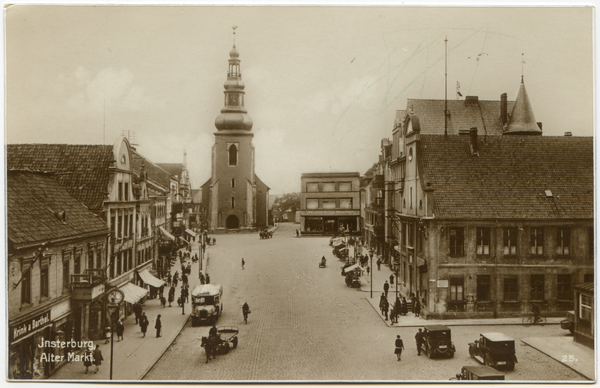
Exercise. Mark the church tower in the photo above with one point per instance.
(234, 196)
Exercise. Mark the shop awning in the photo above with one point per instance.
(166, 234)
(337, 244)
(133, 293)
(352, 268)
(184, 240)
(191, 232)
(150, 279)
(397, 248)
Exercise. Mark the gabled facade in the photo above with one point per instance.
(487, 215)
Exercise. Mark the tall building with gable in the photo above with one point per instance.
(235, 197)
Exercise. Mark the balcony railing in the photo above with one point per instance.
(91, 278)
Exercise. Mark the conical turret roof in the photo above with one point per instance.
(522, 120)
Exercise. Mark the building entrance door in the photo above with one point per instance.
(232, 222)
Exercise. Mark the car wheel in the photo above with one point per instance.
(235, 342)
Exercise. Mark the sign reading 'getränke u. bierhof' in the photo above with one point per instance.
(21, 330)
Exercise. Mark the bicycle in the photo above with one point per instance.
(531, 320)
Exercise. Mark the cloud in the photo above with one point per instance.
(109, 88)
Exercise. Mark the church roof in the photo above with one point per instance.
(154, 172)
(174, 169)
(517, 177)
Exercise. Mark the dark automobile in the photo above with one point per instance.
(494, 349)
(478, 372)
(437, 340)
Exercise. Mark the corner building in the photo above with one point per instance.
(236, 198)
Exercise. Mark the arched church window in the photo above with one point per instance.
(233, 155)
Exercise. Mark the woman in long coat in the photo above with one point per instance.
(144, 323)
(171, 295)
(120, 330)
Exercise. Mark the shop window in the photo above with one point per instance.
(329, 186)
(26, 282)
(313, 224)
(537, 287)
(329, 204)
(346, 203)
(511, 288)
(312, 187)
(457, 241)
(483, 288)
(510, 241)
(563, 241)
(483, 241)
(536, 241)
(345, 186)
(563, 284)
(457, 289)
(232, 155)
(312, 203)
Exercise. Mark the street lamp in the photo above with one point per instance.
(114, 297)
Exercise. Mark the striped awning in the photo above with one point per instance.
(166, 234)
(191, 232)
(132, 292)
(150, 279)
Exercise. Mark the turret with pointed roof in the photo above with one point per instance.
(522, 121)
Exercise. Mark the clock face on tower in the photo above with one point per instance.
(234, 99)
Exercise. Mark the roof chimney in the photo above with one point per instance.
(474, 148)
(503, 108)
(472, 100)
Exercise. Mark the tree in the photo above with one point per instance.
(285, 202)
(373, 170)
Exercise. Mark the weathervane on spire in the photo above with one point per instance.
(522, 65)
(234, 27)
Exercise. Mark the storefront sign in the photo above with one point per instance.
(442, 283)
(29, 326)
(330, 213)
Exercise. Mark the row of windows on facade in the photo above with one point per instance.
(329, 203)
(510, 288)
(122, 225)
(160, 209)
(510, 241)
(121, 263)
(315, 187)
(123, 191)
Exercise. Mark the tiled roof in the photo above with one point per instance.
(485, 115)
(155, 173)
(83, 169)
(257, 179)
(510, 177)
(172, 168)
(589, 286)
(32, 203)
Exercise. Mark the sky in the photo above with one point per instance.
(322, 83)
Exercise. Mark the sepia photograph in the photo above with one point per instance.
(344, 193)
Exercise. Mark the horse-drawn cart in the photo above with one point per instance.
(225, 339)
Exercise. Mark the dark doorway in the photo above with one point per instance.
(232, 222)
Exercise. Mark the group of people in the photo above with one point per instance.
(92, 357)
(399, 345)
(400, 306)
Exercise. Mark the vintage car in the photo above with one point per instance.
(569, 322)
(494, 349)
(478, 372)
(207, 303)
(437, 340)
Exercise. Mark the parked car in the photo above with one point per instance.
(478, 372)
(437, 340)
(569, 322)
(494, 349)
(207, 303)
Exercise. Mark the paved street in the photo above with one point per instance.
(307, 325)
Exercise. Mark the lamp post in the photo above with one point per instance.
(371, 254)
(114, 296)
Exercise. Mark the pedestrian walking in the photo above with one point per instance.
(207, 279)
(243, 262)
(163, 302)
(184, 280)
(404, 306)
(419, 340)
(137, 310)
(144, 323)
(378, 264)
(186, 294)
(169, 280)
(368, 269)
(381, 300)
(87, 359)
(392, 279)
(416, 307)
(97, 354)
(171, 295)
(386, 306)
(399, 348)
(386, 288)
(158, 326)
(202, 278)
(107, 334)
(120, 330)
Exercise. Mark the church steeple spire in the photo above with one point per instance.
(234, 116)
